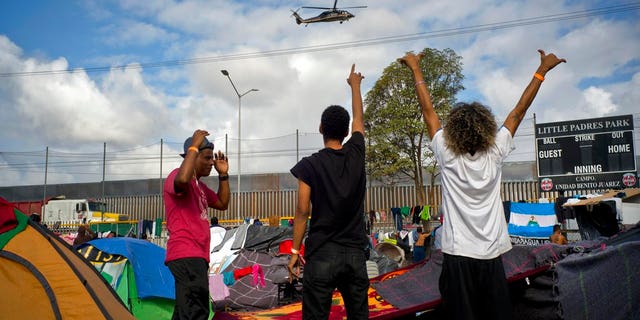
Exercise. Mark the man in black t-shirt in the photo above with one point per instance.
(333, 180)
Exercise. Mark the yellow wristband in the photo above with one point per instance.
(538, 76)
(194, 149)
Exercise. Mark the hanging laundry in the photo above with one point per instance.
(424, 215)
(217, 288)
(415, 217)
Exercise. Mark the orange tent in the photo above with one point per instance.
(42, 277)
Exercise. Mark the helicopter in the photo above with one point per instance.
(330, 15)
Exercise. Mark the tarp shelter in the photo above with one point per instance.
(600, 216)
(42, 277)
(582, 280)
(135, 268)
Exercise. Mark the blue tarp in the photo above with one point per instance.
(153, 278)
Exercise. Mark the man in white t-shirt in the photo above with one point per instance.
(470, 150)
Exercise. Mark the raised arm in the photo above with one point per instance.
(354, 80)
(187, 168)
(428, 113)
(547, 62)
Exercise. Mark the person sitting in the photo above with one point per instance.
(214, 222)
(35, 217)
(84, 234)
(421, 245)
(557, 236)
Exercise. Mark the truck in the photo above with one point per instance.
(29, 207)
(78, 210)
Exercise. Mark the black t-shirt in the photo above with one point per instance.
(337, 179)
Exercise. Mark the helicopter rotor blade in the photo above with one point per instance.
(323, 8)
(335, 3)
(352, 7)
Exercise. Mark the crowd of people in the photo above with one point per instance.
(469, 151)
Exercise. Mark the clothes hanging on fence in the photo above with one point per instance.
(147, 227)
(415, 215)
(372, 218)
(397, 218)
(425, 213)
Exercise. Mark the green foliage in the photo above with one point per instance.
(396, 133)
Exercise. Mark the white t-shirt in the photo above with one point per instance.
(474, 222)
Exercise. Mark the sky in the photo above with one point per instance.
(110, 89)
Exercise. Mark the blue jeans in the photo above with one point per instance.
(334, 266)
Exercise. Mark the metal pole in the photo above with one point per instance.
(161, 145)
(104, 166)
(44, 193)
(239, 152)
(226, 73)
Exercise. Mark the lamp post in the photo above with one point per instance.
(226, 73)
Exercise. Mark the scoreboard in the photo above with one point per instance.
(586, 154)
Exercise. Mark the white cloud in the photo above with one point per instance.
(598, 101)
(136, 107)
(134, 33)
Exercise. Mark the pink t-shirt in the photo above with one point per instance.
(187, 219)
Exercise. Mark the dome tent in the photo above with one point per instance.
(42, 277)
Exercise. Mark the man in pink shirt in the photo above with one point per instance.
(186, 200)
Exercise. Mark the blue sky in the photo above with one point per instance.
(75, 114)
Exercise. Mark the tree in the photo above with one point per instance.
(396, 133)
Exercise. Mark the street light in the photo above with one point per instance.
(226, 73)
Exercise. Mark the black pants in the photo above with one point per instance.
(192, 288)
(330, 267)
(474, 288)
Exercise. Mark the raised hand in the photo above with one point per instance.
(355, 78)
(411, 60)
(220, 162)
(198, 138)
(548, 61)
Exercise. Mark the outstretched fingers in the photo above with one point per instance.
(549, 61)
(220, 156)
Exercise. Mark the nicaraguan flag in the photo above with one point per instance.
(532, 220)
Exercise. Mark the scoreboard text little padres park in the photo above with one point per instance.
(586, 154)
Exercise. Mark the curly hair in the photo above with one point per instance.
(335, 123)
(470, 128)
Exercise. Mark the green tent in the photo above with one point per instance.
(135, 269)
